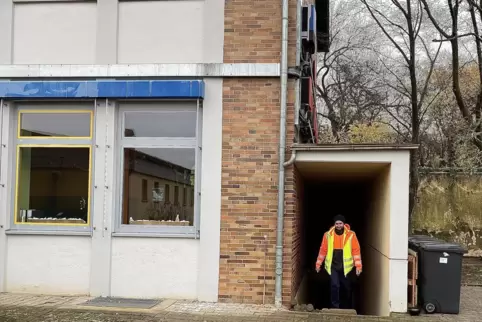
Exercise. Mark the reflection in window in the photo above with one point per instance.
(192, 196)
(166, 167)
(157, 193)
(55, 124)
(168, 194)
(176, 195)
(144, 190)
(160, 124)
(53, 185)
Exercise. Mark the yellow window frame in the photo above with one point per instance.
(33, 111)
(17, 172)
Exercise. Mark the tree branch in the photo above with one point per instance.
(459, 36)
(430, 72)
(390, 38)
(433, 20)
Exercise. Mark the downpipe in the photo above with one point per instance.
(281, 155)
(291, 160)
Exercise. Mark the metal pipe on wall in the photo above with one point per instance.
(297, 81)
(281, 155)
(298, 67)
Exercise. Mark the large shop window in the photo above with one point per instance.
(160, 155)
(53, 168)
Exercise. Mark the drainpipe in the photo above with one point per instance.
(282, 146)
(291, 160)
(298, 71)
(298, 81)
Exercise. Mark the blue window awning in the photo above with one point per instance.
(162, 89)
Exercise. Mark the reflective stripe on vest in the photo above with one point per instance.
(347, 255)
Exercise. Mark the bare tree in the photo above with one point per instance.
(453, 35)
(401, 23)
(453, 136)
(346, 88)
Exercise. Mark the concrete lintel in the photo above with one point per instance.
(141, 70)
(353, 147)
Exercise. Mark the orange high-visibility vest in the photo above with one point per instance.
(351, 251)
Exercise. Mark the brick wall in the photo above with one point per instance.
(294, 215)
(249, 192)
(251, 110)
(252, 31)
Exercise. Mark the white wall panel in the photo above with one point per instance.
(48, 264)
(54, 33)
(154, 268)
(160, 32)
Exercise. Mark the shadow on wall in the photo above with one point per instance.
(322, 202)
(365, 205)
(450, 208)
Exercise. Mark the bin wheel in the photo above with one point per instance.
(429, 308)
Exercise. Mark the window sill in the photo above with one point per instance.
(154, 235)
(48, 232)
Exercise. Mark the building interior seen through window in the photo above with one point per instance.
(53, 185)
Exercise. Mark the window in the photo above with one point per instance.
(159, 145)
(184, 196)
(168, 194)
(53, 168)
(64, 124)
(192, 197)
(176, 195)
(144, 190)
(157, 193)
(162, 164)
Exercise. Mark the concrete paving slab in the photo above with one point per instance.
(26, 308)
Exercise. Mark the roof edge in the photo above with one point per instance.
(354, 147)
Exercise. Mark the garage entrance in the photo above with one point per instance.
(369, 186)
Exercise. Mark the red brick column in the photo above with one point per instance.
(251, 111)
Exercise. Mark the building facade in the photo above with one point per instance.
(140, 146)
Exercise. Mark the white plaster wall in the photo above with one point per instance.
(208, 277)
(160, 31)
(140, 267)
(154, 268)
(375, 253)
(397, 240)
(54, 33)
(375, 286)
(6, 19)
(48, 264)
(398, 285)
(399, 187)
(180, 268)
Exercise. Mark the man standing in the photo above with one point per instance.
(341, 252)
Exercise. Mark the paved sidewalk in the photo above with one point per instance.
(35, 308)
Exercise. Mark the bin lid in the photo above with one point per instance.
(428, 243)
(441, 246)
(415, 240)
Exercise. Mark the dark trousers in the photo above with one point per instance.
(340, 290)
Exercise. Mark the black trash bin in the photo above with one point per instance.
(439, 274)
